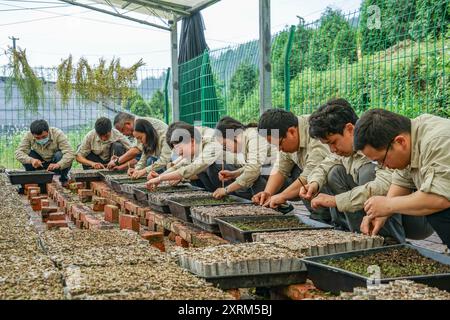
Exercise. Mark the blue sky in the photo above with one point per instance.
(51, 34)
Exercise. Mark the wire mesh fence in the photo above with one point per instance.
(388, 54)
(76, 116)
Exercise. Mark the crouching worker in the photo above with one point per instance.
(198, 150)
(352, 178)
(298, 155)
(419, 150)
(153, 145)
(100, 144)
(125, 123)
(246, 179)
(46, 148)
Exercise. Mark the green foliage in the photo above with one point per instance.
(64, 80)
(154, 108)
(23, 76)
(243, 82)
(323, 40)
(101, 83)
(432, 16)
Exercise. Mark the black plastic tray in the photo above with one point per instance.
(233, 234)
(260, 280)
(141, 194)
(213, 228)
(27, 177)
(116, 184)
(158, 208)
(335, 280)
(183, 212)
(107, 173)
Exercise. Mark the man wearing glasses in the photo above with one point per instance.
(351, 177)
(419, 149)
(298, 155)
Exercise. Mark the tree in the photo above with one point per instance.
(157, 105)
(344, 48)
(322, 41)
(432, 17)
(243, 82)
(140, 108)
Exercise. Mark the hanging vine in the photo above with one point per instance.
(23, 76)
(64, 80)
(102, 83)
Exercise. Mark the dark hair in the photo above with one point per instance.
(331, 118)
(277, 119)
(378, 128)
(229, 123)
(122, 117)
(38, 126)
(177, 132)
(151, 136)
(103, 126)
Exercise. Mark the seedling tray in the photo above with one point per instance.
(261, 280)
(234, 234)
(116, 184)
(335, 280)
(41, 177)
(213, 228)
(141, 194)
(182, 209)
(110, 174)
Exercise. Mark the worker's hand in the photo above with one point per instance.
(173, 183)
(371, 226)
(377, 207)
(53, 167)
(275, 201)
(310, 191)
(36, 163)
(226, 175)
(220, 193)
(152, 174)
(152, 184)
(130, 171)
(98, 165)
(139, 174)
(112, 164)
(323, 201)
(261, 197)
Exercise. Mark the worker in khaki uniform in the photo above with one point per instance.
(100, 144)
(46, 148)
(198, 150)
(153, 144)
(299, 154)
(125, 122)
(247, 179)
(419, 150)
(352, 178)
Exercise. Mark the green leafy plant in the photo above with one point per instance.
(26, 80)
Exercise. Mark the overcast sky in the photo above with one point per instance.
(50, 34)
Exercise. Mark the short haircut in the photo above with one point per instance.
(122, 117)
(277, 119)
(181, 132)
(229, 123)
(103, 126)
(151, 136)
(378, 127)
(331, 118)
(39, 126)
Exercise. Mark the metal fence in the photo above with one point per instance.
(78, 116)
(388, 54)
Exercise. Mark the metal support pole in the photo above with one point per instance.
(175, 79)
(265, 67)
(287, 70)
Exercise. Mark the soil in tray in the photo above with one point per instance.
(168, 189)
(131, 181)
(393, 263)
(205, 201)
(268, 224)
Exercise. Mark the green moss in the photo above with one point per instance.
(393, 263)
(267, 224)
